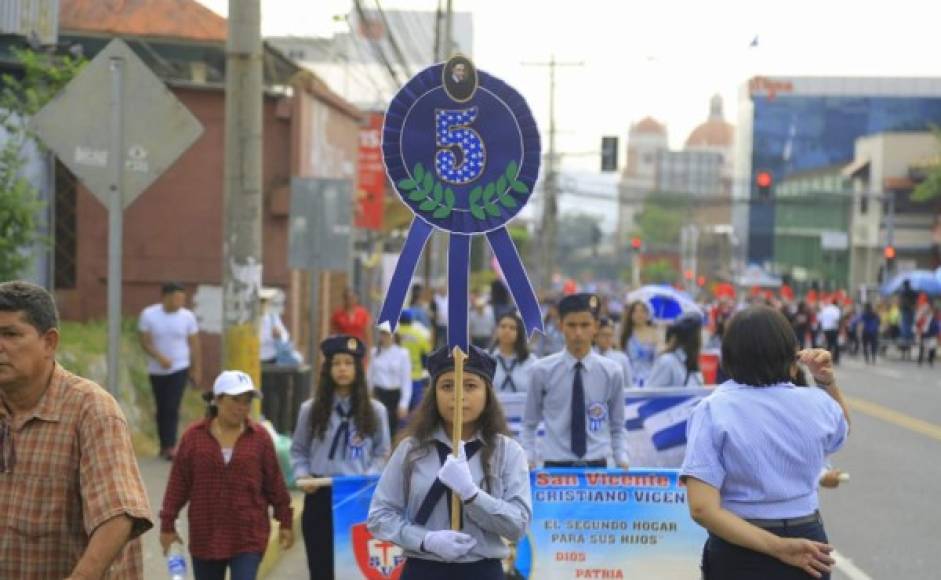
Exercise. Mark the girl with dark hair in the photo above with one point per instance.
(755, 451)
(511, 352)
(640, 339)
(411, 504)
(341, 431)
(678, 365)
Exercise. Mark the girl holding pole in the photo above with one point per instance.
(487, 478)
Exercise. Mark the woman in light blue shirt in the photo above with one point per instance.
(678, 365)
(639, 339)
(755, 450)
(411, 505)
(514, 361)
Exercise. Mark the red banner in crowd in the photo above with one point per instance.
(371, 180)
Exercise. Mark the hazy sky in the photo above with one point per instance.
(663, 58)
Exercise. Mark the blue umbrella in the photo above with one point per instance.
(665, 302)
(921, 281)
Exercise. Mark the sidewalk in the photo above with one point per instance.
(155, 472)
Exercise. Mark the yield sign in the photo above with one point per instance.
(76, 125)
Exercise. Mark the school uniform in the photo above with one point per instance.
(621, 359)
(581, 430)
(763, 448)
(411, 506)
(341, 451)
(401, 511)
(512, 375)
(390, 379)
(669, 370)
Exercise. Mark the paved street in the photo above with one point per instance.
(882, 521)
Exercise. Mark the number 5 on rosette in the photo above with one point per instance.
(462, 149)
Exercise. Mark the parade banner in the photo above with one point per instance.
(586, 524)
(655, 422)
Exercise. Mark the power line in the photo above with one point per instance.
(392, 40)
(377, 47)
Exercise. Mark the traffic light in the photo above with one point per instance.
(701, 281)
(636, 243)
(889, 252)
(764, 181)
(609, 154)
(689, 275)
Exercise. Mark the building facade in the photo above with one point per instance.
(792, 125)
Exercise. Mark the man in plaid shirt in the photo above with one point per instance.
(72, 503)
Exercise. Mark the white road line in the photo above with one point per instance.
(847, 567)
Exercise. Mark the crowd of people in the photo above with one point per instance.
(756, 450)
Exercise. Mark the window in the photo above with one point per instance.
(66, 228)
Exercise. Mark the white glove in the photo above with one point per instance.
(448, 544)
(455, 473)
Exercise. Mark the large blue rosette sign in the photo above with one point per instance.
(462, 149)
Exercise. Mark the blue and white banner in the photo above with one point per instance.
(655, 420)
(586, 524)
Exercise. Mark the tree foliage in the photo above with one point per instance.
(661, 219)
(43, 75)
(659, 272)
(930, 188)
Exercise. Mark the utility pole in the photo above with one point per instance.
(242, 258)
(550, 204)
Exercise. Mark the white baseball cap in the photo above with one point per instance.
(234, 383)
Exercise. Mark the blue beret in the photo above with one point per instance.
(343, 344)
(584, 302)
(478, 362)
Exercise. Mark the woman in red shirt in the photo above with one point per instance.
(226, 468)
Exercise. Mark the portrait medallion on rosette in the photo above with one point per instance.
(463, 151)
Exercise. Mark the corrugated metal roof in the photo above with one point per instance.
(182, 19)
(30, 18)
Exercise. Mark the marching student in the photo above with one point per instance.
(514, 361)
(412, 503)
(390, 377)
(341, 431)
(678, 365)
(604, 345)
(578, 395)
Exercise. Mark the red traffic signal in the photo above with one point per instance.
(764, 180)
(636, 243)
(889, 252)
(701, 281)
(689, 274)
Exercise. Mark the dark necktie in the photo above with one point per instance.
(342, 431)
(508, 374)
(438, 488)
(579, 443)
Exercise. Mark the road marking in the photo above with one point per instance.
(891, 416)
(847, 567)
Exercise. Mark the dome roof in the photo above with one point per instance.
(715, 132)
(649, 125)
(712, 133)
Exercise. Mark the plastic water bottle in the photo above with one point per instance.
(176, 563)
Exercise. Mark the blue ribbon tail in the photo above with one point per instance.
(458, 275)
(418, 234)
(516, 279)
